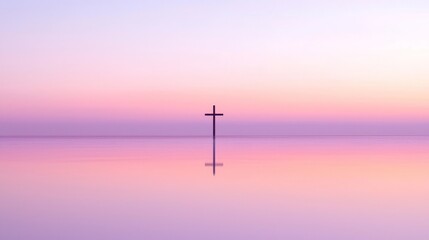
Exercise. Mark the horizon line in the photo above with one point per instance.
(209, 136)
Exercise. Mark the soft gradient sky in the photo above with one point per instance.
(154, 67)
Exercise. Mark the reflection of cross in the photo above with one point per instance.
(214, 114)
(214, 164)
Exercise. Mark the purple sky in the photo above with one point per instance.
(155, 67)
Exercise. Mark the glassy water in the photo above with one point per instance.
(162, 188)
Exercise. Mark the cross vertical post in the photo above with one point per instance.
(214, 121)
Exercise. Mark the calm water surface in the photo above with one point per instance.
(268, 188)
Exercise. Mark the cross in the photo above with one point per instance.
(214, 114)
(214, 164)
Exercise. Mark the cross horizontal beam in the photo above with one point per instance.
(214, 114)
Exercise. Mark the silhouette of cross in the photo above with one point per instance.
(214, 114)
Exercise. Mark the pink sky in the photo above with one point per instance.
(73, 64)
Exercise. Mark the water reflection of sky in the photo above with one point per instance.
(268, 188)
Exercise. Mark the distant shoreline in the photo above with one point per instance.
(207, 136)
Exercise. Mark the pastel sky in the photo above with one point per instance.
(156, 66)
